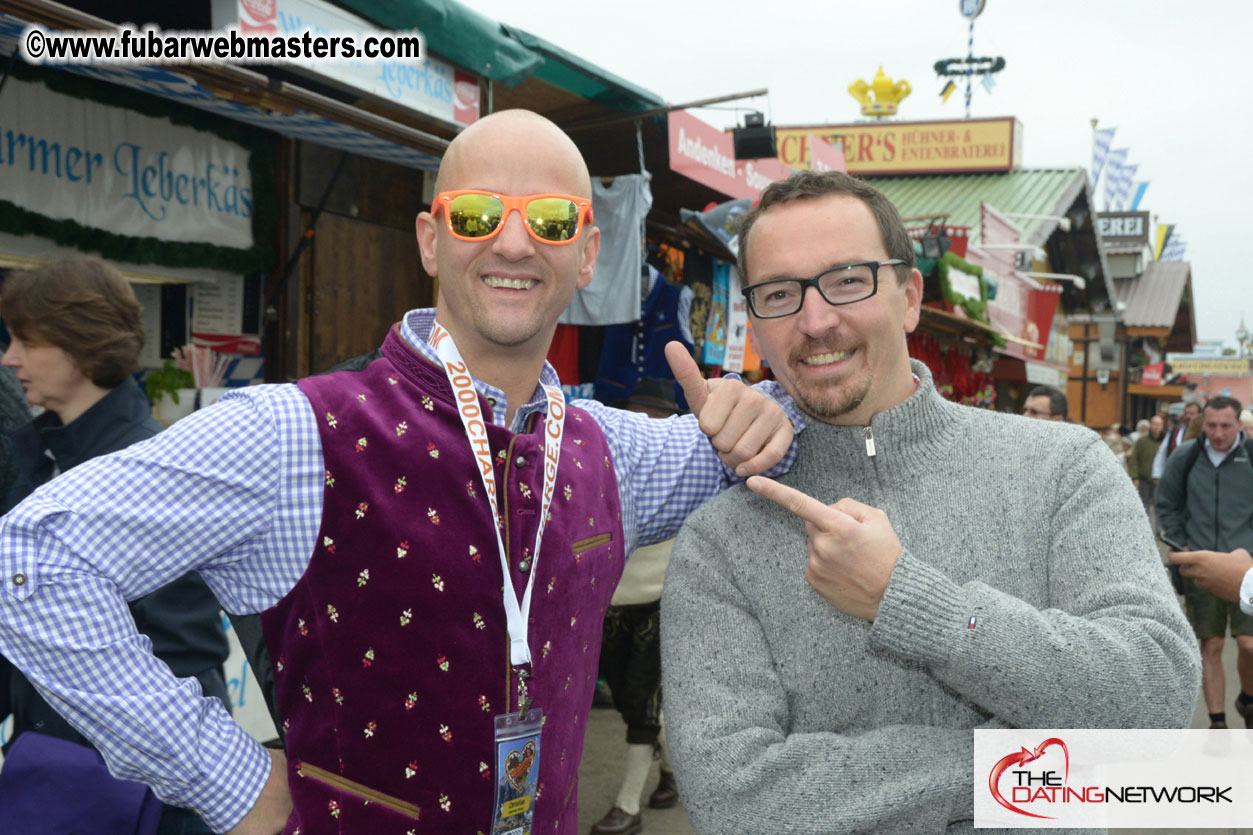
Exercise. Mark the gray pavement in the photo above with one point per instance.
(600, 777)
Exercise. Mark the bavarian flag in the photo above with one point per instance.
(1164, 231)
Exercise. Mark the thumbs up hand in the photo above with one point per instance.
(750, 431)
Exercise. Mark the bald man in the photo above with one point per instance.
(430, 540)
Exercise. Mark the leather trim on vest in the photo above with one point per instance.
(354, 788)
(591, 542)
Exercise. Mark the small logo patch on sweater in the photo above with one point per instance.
(973, 620)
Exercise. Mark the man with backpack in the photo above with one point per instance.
(1205, 502)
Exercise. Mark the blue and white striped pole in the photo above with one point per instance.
(970, 57)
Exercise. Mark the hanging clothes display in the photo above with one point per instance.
(737, 316)
(613, 297)
(752, 359)
(698, 275)
(715, 351)
(638, 349)
(563, 354)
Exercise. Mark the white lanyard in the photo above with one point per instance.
(467, 400)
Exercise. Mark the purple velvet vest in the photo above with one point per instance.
(391, 653)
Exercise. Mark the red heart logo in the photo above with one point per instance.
(1023, 757)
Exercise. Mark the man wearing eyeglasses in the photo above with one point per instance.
(431, 541)
(1046, 403)
(830, 640)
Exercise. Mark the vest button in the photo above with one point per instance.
(19, 579)
(525, 565)
(520, 461)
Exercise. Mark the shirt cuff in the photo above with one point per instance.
(242, 773)
(1246, 593)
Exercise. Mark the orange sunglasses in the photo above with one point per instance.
(473, 215)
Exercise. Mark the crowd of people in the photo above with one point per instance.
(430, 539)
(1204, 517)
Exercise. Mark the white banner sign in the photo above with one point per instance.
(1149, 779)
(112, 169)
(1045, 375)
(427, 85)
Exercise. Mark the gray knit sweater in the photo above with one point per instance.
(787, 716)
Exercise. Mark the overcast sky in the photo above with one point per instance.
(1171, 76)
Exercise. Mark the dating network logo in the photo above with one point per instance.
(1044, 789)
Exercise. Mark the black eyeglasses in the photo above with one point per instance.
(839, 285)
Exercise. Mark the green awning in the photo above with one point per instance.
(503, 53)
(1040, 191)
(456, 33)
(571, 73)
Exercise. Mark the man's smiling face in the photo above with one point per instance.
(507, 292)
(841, 364)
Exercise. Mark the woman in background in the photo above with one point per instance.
(76, 334)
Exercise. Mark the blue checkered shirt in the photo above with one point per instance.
(234, 491)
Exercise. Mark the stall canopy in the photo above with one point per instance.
(571, 73)
(1159, 303)
(459, 34)
(1047, 192)
(501, 53)
(542, 76)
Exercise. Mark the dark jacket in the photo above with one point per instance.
(1207, 507)
(183, 619)
(1140, 461)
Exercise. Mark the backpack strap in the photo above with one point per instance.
(1193, 454)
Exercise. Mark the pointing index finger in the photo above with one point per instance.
(794, 501)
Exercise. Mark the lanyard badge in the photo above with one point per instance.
(475, 425)
(517, 771)
(517, 737)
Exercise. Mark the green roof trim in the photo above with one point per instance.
(452, 31)
(571, 73)
(1034, 191)
(502, 53)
